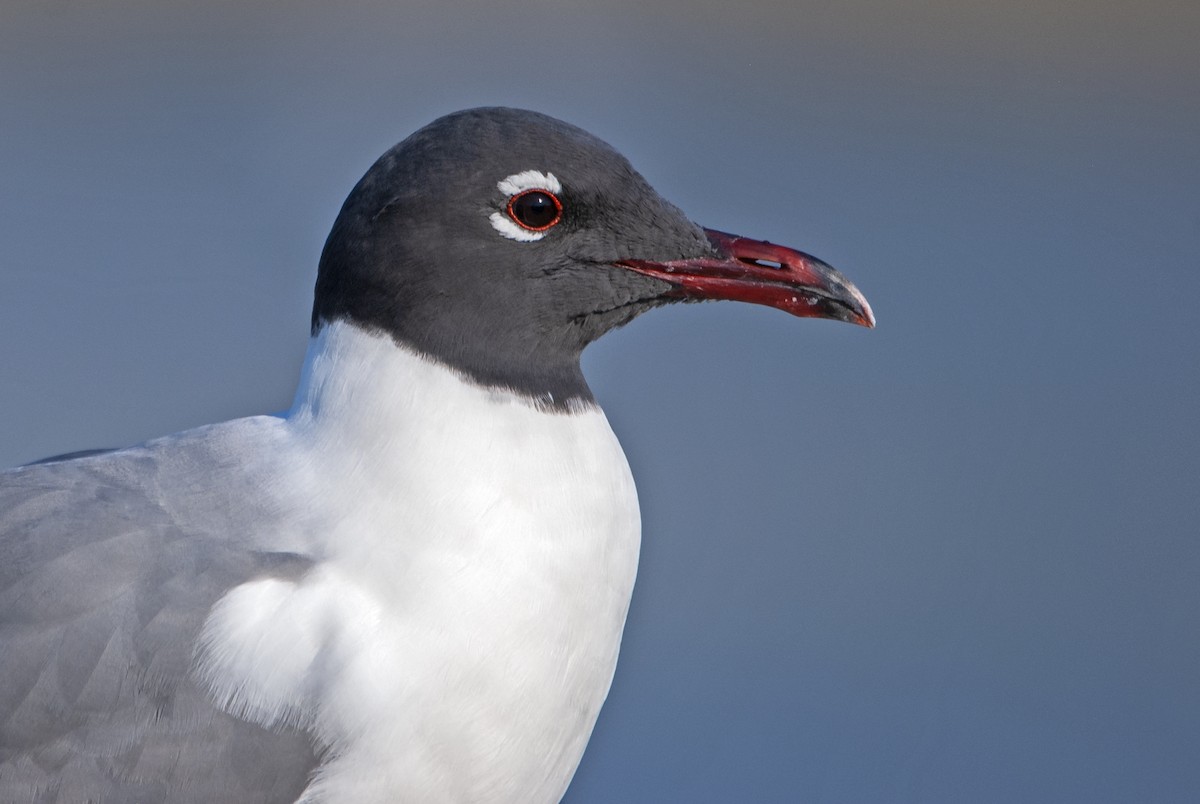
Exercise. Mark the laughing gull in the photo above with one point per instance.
(412, 586)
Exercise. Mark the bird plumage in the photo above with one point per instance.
(412, 585)
(401, 576)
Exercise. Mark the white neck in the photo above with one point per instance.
(475, 558)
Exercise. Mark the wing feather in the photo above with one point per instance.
(109, 564)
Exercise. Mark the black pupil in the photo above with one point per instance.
(534, 209)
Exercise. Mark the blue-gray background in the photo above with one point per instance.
(954, 559)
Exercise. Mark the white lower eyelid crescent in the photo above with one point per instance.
(508, 228)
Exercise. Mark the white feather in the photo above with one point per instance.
(529, 180)
(509, 228)
(474, 561)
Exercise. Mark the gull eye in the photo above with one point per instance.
(536, 210)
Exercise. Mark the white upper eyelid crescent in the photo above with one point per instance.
(529, 180)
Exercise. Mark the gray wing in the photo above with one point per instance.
(108, 567)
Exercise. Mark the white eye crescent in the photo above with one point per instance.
(529, 180)
(532, 208)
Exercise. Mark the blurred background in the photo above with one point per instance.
(953, 559)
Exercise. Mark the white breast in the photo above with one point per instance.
(475, 558)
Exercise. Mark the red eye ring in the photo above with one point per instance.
(535, 209)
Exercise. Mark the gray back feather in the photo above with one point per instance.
(108, 567)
